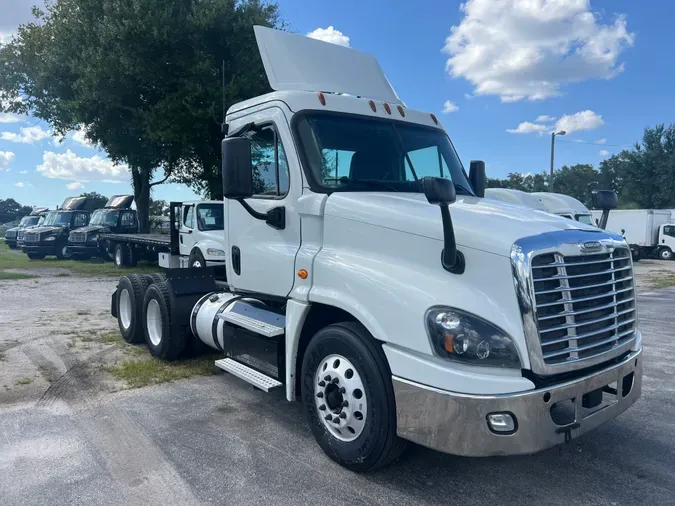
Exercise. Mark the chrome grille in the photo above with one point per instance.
(20, 235)
(31, 237)
(78, 237)
(584, 304)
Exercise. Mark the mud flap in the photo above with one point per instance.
(113, 304)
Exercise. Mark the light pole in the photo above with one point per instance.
(550, 179)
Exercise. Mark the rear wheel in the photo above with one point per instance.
(121, 256)
(666, 254)
(132, 257)
(349, 398)
(163, 340)
(130, 291)
(635, 254)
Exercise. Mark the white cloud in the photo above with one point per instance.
(584, 120)
(76, 185)
(26, 135)
(80, 137)
(601, 141)
(449, 107)
(21, 184)
(331, 35)
(468, 96)
(6, 157)
(74, 168)
(23, 172)
(518, 49)
(10, 117)
(544, 119)
(5, 37)
(604, 152)
(527, 127)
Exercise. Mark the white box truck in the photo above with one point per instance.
(368, 278)
(649, 232)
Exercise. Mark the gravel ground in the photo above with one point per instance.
(69, 436)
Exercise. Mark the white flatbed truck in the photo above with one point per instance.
(367, 276)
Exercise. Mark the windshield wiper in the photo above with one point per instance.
(374, 182)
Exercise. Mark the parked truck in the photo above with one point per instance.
(515, 197)
(27, 222)
(369, 278)
(51, 238)
(195, 238)
(115, 217)
(648, 232)
(565, 206)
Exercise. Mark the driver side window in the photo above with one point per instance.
(670, 231)
(270, 168)
(189, 217)
(80, 220)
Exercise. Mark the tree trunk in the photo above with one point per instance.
(141, 180)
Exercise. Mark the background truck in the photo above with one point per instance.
(565, 206)
(368, 277)
(649, 232)
(516, 197)
(27, 222)
(51, 238)
(195, 239)
(115, 217)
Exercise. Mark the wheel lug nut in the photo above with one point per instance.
(343, 415)
(336, 380)
(320, 395)
(345, 404)
(322, 407)
(336, 420)
(343, 390)
(328, 417)
(322, 383)
(327, 377)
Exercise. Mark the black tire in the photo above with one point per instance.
(635, 254)
(196, 257)
(665, 254)
(62, 252)
(169, 341)
(378, 445)
(132, 257)
(121, 258)
(36, 256)
(131, 327)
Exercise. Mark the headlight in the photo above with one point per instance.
(215, 252)
(92, 238)
(50, 238)
(464, 337)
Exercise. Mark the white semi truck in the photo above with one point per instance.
(649, 232)
(368, 278)
(565, 206)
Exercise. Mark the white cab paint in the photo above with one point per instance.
(296, 62)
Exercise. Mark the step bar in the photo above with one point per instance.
(255, 378)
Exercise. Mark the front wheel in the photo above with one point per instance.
(62, 252)
(635, 254)
(666, 254)
(36, 256)
(349, 398)
(196, 259)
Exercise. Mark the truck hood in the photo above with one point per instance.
(92, 228)
(483, 224)
(44, 230)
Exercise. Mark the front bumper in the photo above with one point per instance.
(83, 249)
(10, 241)
(39, 249)
(457, 423)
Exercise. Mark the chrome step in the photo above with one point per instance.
(254, 319)
(249, 375)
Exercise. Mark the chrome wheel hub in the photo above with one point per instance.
(125, 309)
(340, 398)
(154, 322)
(118, 257)
(197, 264)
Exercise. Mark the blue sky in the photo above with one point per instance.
(601, 68)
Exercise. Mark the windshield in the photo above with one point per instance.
(210, 216)
(41, 220)
(28, 220)
(57, 218)
(104, 217)
(361, 154)
(585, 218)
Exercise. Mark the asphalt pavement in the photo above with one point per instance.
(218, 440)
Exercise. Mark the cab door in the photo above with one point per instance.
(186, 235)
(127, 222)
(261, 257)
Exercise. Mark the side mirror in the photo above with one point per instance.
(477, 177)
(605, 199)
(237, 168)
(441, 192)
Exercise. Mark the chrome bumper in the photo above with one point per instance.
(457, 423)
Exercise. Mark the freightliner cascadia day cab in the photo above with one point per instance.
(565, 206)
(368, 278)
(115, 217)
(27, 222)
(51, 238)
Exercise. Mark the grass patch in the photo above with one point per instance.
(663, 279)
(152, 371)
(24, 381)
(14, 259)
(16, 275)
(112, 338)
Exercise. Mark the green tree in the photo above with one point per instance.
(94, 200)
(11, 210)
(577, 181)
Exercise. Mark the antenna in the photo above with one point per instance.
(223, 126)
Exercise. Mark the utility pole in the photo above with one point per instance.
(550, 179)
